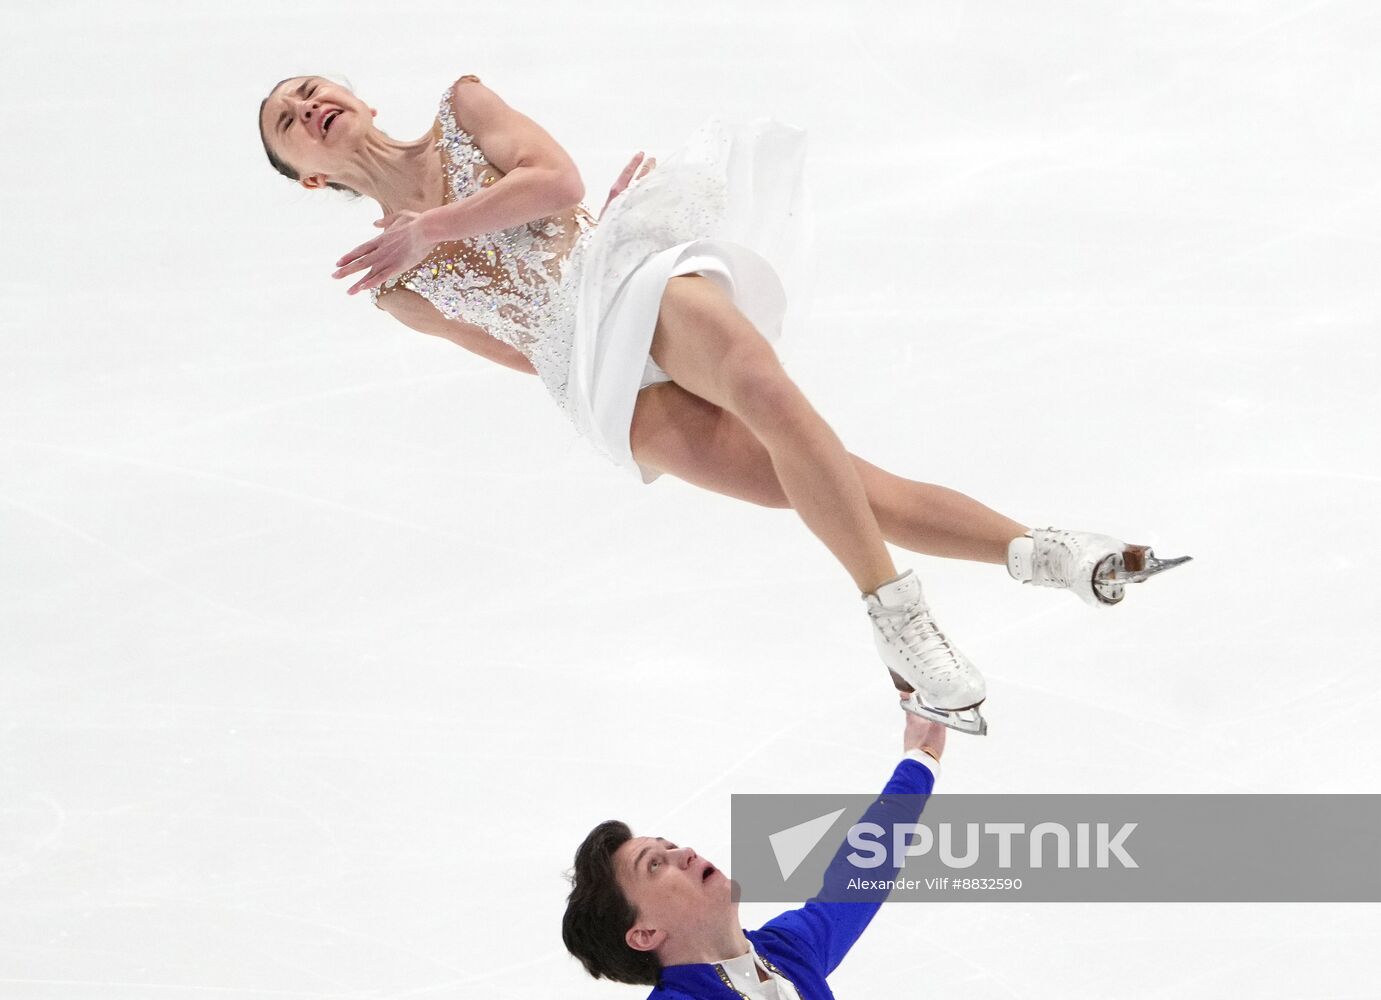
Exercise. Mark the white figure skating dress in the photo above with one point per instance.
(580, 299)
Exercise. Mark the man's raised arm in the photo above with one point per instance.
(828, 924)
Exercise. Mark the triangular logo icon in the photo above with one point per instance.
(792, 845)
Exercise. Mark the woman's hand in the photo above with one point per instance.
(400, 247)
(626, 178)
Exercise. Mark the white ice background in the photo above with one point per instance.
(322, 642)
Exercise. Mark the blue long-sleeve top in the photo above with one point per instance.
(807, 944)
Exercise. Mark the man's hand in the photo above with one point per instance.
(924, 735)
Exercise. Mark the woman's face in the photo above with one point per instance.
(314, 125)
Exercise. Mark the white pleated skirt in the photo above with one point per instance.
(730, 205)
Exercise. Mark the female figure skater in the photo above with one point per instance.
(652, 330)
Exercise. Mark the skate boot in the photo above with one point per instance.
(945, 687)
(1096, 567)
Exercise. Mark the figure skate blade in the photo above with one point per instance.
(1137, 564)
(965, 720)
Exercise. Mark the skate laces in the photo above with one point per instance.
(923, 638)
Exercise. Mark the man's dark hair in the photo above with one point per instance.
(598, 914)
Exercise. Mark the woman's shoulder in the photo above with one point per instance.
(455, 102)
(457, 88)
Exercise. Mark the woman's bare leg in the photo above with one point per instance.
(937, 520)
(705, 445)
(707, 346)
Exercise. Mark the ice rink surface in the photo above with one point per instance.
(322, 642)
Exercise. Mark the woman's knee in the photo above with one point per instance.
(721, 355)
(760, 392)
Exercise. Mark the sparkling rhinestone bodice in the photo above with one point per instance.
(510, 282)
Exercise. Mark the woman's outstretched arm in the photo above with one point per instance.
(539, 180)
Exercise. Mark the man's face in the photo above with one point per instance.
(677, 894)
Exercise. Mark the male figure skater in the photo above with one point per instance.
(642, 910)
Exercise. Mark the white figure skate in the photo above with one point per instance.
(945, 687)
(1096, 567)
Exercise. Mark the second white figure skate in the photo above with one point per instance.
(945, 687)
(1096, 567)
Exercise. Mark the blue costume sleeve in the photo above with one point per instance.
(827, 927)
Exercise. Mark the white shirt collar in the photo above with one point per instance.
(742, 973)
